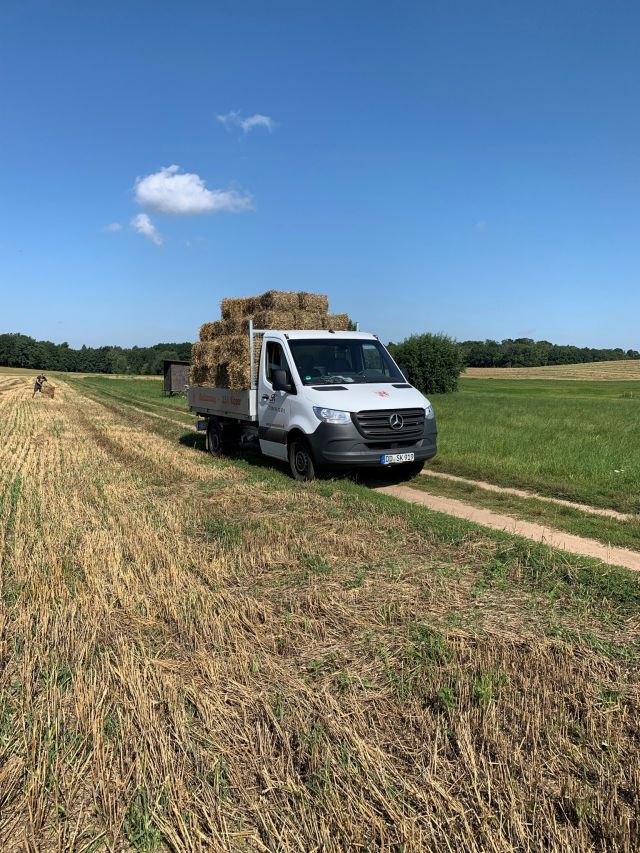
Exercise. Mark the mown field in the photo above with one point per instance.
(575, 440)
(201, 654)
(596, 370)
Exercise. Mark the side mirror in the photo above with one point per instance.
(280, 381)
(405, 372)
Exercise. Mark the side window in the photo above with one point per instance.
(373, 358)
(275, 360)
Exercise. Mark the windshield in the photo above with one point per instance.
(343, 361)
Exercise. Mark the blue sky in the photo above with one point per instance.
(470, 168)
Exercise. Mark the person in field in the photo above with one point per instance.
(37, 385)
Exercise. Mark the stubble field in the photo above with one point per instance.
(200, 654)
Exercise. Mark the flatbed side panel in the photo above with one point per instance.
(222, 402)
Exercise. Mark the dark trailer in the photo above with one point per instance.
(176, 377)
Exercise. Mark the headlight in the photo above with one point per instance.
(428, 412)
(332, 416)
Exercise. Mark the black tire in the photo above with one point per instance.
(215, 444)
(301, 462)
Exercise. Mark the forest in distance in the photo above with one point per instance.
(17, 350)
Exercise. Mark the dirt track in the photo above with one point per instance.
(530, 530)
(523, 493)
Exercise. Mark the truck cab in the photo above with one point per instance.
(327, 400)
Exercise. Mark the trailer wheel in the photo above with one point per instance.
(300, 460)
(214, 438)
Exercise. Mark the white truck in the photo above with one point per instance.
(321, 400)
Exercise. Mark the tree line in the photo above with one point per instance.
(18, 350)
(525, 352)
(22, 351)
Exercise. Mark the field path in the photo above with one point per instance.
(530, 530)
(524, 493)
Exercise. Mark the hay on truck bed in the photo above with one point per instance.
(315, 303)
(337, 322)
(221, 357)
(275, 319)
(278, 300)
(233, 309)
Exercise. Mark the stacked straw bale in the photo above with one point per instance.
(221, 357)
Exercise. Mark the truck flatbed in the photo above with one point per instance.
(205, 400)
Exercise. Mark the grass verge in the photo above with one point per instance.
(611, 531)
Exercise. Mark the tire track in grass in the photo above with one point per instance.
(527, 529)
(524, 493)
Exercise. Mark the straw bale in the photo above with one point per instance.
(235, 376)
(232, 348)
(238, 326)
(233, 309)
(308, 320)
(48, 390)
(313, 302)
(205, 353)
(202, 375)
(278, 300)
(274, 320)
(210, 331)
(213, 331)
(337, 322)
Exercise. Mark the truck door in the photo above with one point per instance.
(273, 406)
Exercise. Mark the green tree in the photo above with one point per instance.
(434, 362)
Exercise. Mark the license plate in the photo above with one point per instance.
(392, 458)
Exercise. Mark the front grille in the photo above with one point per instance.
(376, 425)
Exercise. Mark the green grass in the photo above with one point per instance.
(142, 393)
(611, 531)
(575, 440)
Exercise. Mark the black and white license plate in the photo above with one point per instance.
(393, 458)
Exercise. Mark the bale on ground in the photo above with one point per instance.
(242, 306)
(48, 390)
(337, 322)
(278, 300)
(316, 303)
(274, 320)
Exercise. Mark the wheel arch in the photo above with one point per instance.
(296, 432)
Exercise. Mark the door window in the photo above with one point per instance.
(275, 360)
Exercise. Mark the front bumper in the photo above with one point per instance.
(342, 444)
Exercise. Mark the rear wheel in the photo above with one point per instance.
(300, 460)
(214, 439)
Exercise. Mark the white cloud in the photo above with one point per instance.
(234, 119)
(112, 227)
(185, 194)
(143, 225)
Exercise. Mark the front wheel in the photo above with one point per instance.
(300, 460)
